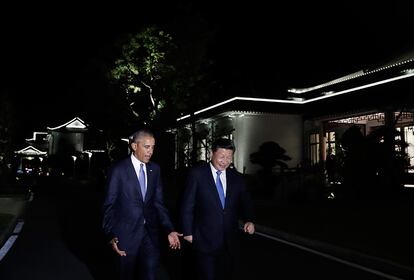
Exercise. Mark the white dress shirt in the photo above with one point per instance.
(137, 165)
(222, 177)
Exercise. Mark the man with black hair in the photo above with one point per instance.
(214, 200)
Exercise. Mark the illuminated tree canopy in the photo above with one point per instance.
(143, 71)
(162, 76)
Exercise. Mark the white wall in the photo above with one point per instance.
(251, 130)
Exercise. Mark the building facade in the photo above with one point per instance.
(310, 123)
(70, 148)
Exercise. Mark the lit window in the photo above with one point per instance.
(330, 142)
(314, 148)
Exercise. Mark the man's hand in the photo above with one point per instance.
(189, 238)
(249, 228)
(114, 244)
(174, 240)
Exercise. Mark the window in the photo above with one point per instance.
(203, 150)
(398, 140)
(187, 153)
(314, 148)
(330, 142)
(409, 139)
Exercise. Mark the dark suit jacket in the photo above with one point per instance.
(202, 215)
(125, 210)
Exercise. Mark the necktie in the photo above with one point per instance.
(141, 179)
(220, 188)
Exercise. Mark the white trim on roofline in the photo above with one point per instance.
(74, 123)
(34, 136)
(30, 150)
(299, 101)
(349, 77)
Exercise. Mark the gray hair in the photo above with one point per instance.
(139, 134)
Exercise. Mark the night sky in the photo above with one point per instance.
(49, 53)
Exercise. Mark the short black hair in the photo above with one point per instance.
(223, 143)
(140, 133)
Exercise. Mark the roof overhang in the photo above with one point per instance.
(30, 151)
(74, 124)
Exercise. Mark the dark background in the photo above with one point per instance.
(49, 53)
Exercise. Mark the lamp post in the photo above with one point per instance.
(40, 168)
(89, 162)
(74, 165)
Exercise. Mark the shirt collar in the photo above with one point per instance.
(136, 162)
(214, 170)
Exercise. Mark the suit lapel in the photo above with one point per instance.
(150, 185)
(229, 184)
(133, 178)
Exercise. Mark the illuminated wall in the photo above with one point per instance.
(248, 131)
(251, 130)
(65, 142)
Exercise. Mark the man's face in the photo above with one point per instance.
(222, 158)
(144, 148)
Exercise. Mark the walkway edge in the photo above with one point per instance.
(344, 253)
(17, 213)
(8, 231)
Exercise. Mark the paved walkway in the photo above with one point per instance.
(375, 233)
(13, 206)
(365, 245)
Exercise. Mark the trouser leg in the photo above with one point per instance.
(148, 258)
